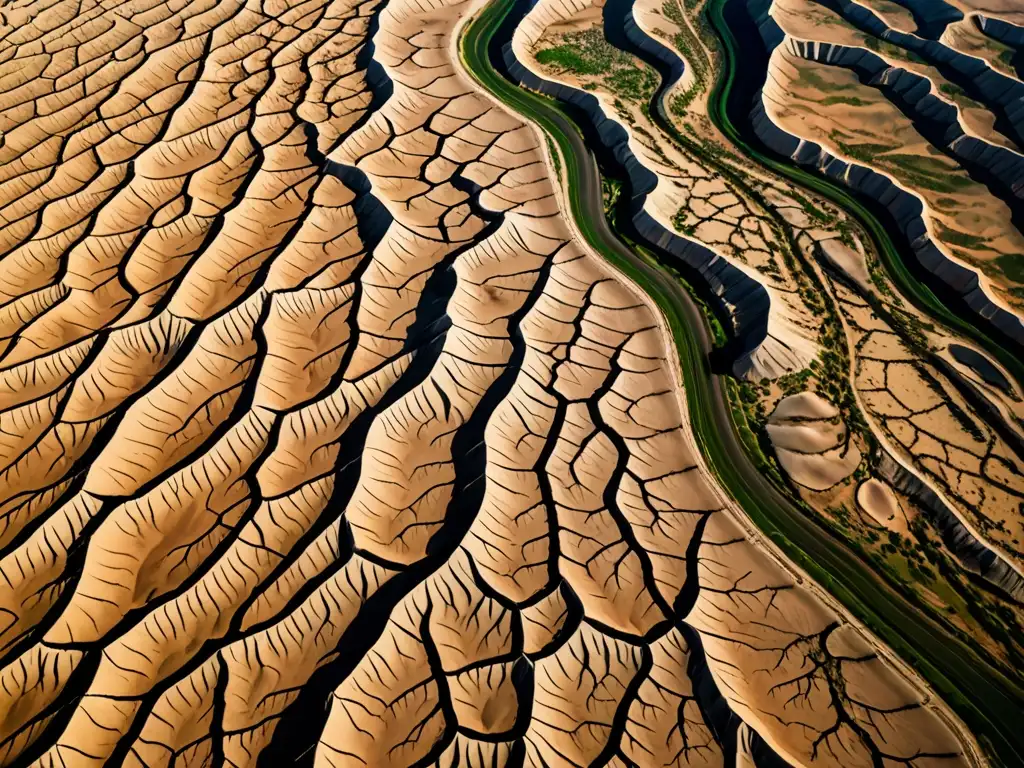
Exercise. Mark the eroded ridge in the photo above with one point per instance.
(947, 115)
(932, 166)
(326, 442)
(765, 323)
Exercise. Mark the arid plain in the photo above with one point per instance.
(328, 438)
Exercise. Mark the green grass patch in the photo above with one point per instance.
(811, 78)
(588, 54)
(864, 152)
(554, 157)
(696, 59)
(891, 50)
(1012, 266)
(962, 239)
(920, 171)
(953, 91)
(570, 59)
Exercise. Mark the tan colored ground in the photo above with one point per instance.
(282, 486)
(828, 105)
(1004, 9)
(964, 36)
(812, 442)
(879, 503)
(692, 200)
(810, 20)
(895, 15)
(928, 422)
(850, 262)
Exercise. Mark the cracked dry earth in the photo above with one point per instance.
(815, 93)
(325, 442)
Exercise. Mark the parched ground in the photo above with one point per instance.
(324, 442)
(564, 41)
(974, 221)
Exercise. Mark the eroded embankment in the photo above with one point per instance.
(746, 302)
(902, 207)
(327, 442)
(622, 31)
(1001, 169)
(1002, 95)
(1007, 33)
(954, 485)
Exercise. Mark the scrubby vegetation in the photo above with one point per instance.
(810, 77)
(688, 45)
(587, 54)
(555, 158)
(1012, 266)
(963, 239)
(679, 222)
(584, 53)
(921, 171)
(570, 59)
(891, 50)
(865, 152)
(611, 190)
(936, 173)
(851, 100)
(958, 96)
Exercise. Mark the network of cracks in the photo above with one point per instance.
(325, 441)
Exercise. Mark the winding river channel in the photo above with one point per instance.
(739, 84)
(988, 702)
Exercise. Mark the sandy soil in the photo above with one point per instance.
(879, 503)
(690, 199)
(812, 442)
(324, 436)
(828, 105)
(926, 422)
(1004, 9)
(849, 262)
(964, 36)
(809, 20)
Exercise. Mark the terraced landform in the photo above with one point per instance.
(353, 415)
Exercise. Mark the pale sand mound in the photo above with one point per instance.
(805, 405)
(849, 262)
(811, 442)
(878, 501)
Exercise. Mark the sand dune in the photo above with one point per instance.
(811, 441)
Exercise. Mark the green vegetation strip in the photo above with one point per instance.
(897, 268)
(986, 699)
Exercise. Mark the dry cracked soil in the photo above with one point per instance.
(326, 440)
